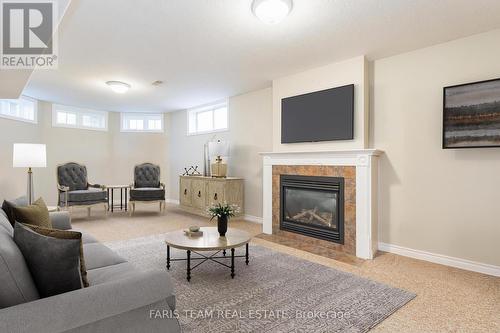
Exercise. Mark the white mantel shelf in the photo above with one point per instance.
(375, 152)
(366, 163)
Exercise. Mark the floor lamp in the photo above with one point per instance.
(29, 155)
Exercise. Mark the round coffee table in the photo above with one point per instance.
(209, 241)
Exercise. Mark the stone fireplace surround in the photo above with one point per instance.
(349, 175)
(360, 170)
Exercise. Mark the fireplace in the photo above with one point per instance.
(313, 206)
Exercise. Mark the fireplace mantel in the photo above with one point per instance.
(366, 163)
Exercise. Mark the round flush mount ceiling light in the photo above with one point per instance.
(271, 11)
(118, 86)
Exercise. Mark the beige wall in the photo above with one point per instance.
(109, 155)
(352, 71)
(129, 149)
(440, 201)
(250, 132)
(435, 200)
(13, 180)
(92, 148)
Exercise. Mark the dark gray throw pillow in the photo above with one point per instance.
(8, 207)
(54, 263)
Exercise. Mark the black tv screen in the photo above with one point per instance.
(325, 115)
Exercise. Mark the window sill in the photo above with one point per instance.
(81, 128)
(19, 119)
(208, 132)
(142, 131)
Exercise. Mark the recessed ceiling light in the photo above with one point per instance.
(271, 11)
(118, 86)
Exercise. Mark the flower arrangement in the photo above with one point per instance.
(222, 210)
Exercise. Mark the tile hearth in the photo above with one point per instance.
(313, 248)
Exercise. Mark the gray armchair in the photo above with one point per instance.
(147, 187)
(75, 190)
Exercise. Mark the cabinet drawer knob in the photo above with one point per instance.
(199, 194)
(185, 191)
(215, 196)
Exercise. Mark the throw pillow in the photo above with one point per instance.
(54, 263)
(8, 207)
(64, 234)
(35, 214)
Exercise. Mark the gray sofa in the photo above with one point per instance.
(119, 298)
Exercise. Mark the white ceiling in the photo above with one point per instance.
(206, 50)
(12, 82)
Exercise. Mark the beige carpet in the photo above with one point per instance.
(448, 299)
(293, 289)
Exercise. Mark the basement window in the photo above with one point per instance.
(73, 117)
(142, 122)
(22, 109)
(208, 119)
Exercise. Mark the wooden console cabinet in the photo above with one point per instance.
(197, 193)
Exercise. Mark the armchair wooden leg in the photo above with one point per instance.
(131, 208)
(88, 211)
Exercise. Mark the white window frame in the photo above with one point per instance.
(145, 117)
(80, 113)
(20, 101)
(208, 107)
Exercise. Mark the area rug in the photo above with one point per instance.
(276, 292)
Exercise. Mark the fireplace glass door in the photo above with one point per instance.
(317, 207)
(313, 206)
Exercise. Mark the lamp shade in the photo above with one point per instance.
(219, 148)
(29, 155)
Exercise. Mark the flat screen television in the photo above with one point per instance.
(325, 115)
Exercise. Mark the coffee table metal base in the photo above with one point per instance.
(212, 257)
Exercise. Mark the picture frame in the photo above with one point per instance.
(471, 115)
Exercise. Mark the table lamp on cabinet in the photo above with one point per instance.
(218, 150)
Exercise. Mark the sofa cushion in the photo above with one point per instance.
(35, 214)
(88, 238)
(72, 175)
(8, 207)
(54, 263)
(110, 273)
(16, 284)
(147, 175)
(89, 195)
(60, 220)
(5, 223)
(97, 255)
(147, 194)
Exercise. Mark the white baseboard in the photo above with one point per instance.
(253, 219)
(172, 201)
(441, 259)
(249, 218)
